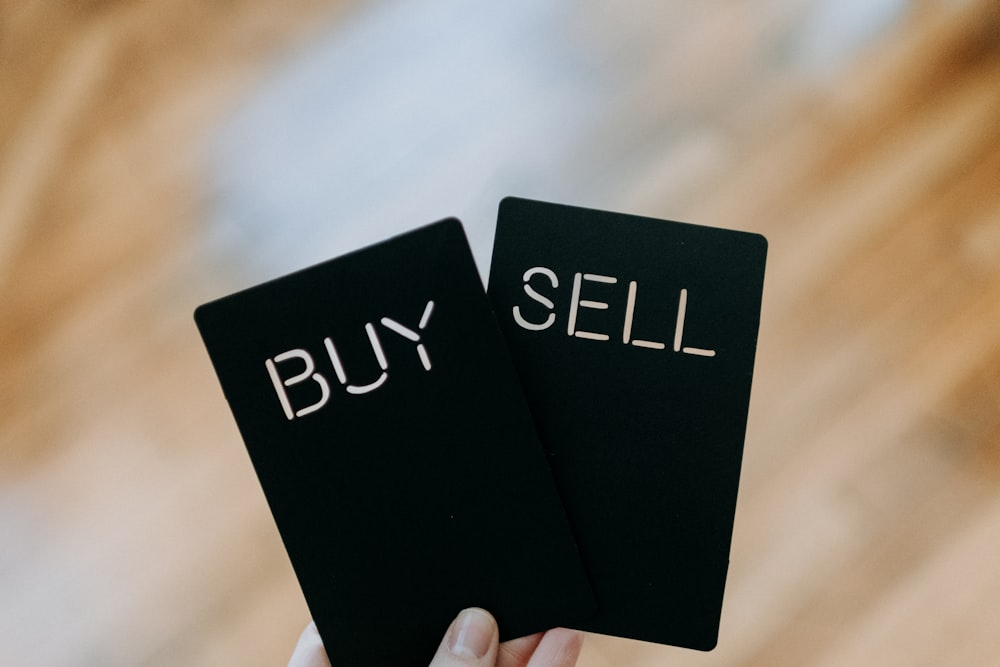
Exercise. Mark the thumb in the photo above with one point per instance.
(471, 641)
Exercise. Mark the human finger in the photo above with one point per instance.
(309, 652)
(517, 652)
(559, 647)
(472, 640)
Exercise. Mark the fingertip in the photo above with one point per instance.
(309, 651)
(472, 634)
(560, 647)
(518, 651)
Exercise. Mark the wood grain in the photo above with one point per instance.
(132, 530)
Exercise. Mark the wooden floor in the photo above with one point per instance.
(863, 139)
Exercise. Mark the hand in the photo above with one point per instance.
(472, 641)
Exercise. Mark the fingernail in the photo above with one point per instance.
(471, 634)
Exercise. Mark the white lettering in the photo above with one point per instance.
(412, 335)
(576, 302)
(531, 292)
(679, 330)
(338, 366)
(629, 314)
(309, 370)
(279, 384)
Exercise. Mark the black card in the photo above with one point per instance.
(634, 339)
(383, 417)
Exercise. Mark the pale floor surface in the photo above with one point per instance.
(132, 530)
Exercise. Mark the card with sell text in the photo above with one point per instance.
(634, 339)
(383, 416)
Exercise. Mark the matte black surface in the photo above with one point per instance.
(645, 444)
(400, 506)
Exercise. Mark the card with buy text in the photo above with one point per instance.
(384, 420)
(634, 340)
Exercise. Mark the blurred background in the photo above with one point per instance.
(155, 154)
